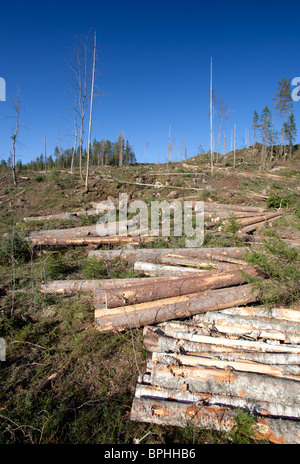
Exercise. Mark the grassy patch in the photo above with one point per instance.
(280, 265)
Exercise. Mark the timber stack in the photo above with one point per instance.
(216, 216)
(203, 370)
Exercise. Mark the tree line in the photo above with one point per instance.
(276, 144)
(103, 152)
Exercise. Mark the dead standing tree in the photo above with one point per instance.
(80, 67)
(223, 115)
(16, 107)
(91, 112)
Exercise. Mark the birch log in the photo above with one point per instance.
(175, 413)
(155, 340)
(255, 328)
(253, 386)
(262, 408)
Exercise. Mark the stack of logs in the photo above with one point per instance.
(216, 217)
(203, 370)
(211, 353)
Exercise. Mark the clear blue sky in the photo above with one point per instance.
(154, 67)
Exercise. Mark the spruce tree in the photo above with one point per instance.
(290, 131)
(284, 104)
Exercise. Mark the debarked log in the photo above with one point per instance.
(126, 317)
(141, 292)
(175, 413)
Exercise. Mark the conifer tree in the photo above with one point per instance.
(284, 104)
(290, 131)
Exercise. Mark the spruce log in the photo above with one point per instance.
(178, 260)
(84, 286)
(156, 254)
(175, 413)
(141, 292)
(126, 317)
(90, 240)
(61, 216)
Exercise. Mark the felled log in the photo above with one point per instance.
(155, 340)
(138, 315)
(157, 254)
(151, 269)
(84, 286)
(285, 314)
(145, 391)
(227, 364)
(259, 224)
(256, 328)
(183, 414)
(221, 263)
(62, 216)
(191, 332)
(253, 386)
(223, 207)
(146, 291)
(81, 286)
(90, 240)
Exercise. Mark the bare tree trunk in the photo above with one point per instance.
(45, 154)
(16, 106)
(90, 122)
(234, 155)
(211, 121)
(75, 142)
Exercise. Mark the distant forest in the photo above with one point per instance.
(103, 152)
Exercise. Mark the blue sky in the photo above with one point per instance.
(153, 67)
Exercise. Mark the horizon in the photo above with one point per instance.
(153, 65)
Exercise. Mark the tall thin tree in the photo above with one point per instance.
(284, 104)
(75, 137)
(91, 112)
(16, 106)
(211, 120)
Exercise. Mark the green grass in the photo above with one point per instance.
(279, 264)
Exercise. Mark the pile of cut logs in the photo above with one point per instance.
(249, 219)
(211, 353)
(203, 370)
